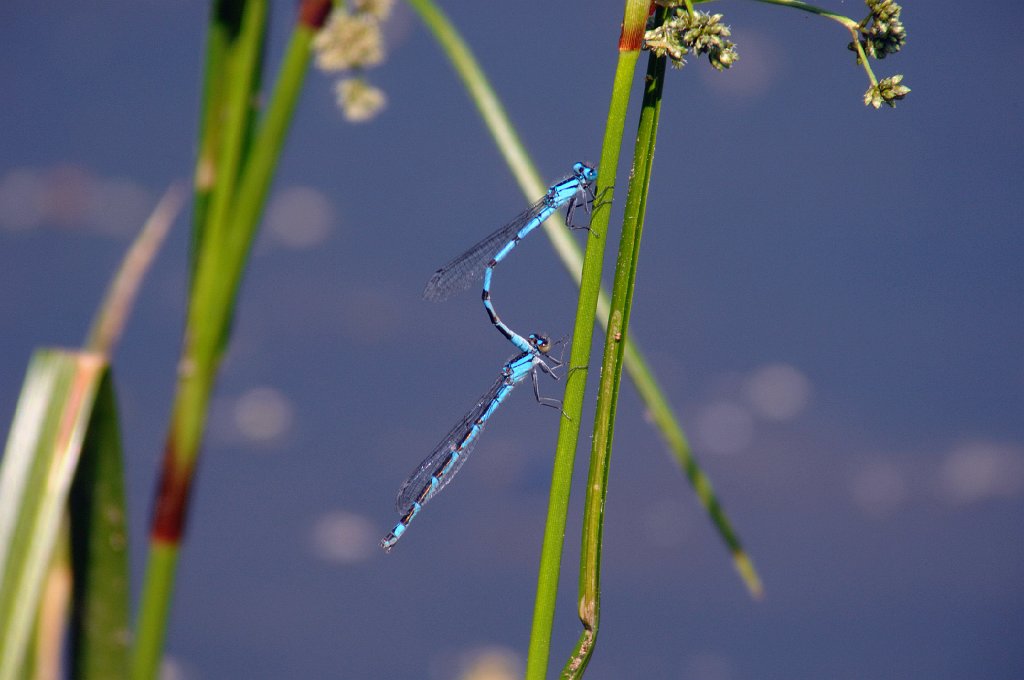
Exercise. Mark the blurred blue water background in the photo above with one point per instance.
(830, 295)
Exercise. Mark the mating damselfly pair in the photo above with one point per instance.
(450, 454)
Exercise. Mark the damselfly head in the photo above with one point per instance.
(540, 342)
(585, 172)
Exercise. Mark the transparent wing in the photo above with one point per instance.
(458, 274)
(413, 487)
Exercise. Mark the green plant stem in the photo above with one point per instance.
(611, 370)
(241, 78)
(576, 383)
(236, 36)
(634, 19)
(222, 35)
(225, 243)
(266, 151)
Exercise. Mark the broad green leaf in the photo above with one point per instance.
(100, 633)
(43, 451)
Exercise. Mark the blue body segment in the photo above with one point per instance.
(437, 469)
(482, 258)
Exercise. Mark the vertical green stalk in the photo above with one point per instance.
(611, 370)
(240, 179)
(240, 78)
(630, 41)
(236, 38)
(223, 37)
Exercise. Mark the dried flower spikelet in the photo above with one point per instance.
(349, 41)
(881, 33)
(888, 91)
(665, 43)
(699, 33)
(358, 100)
